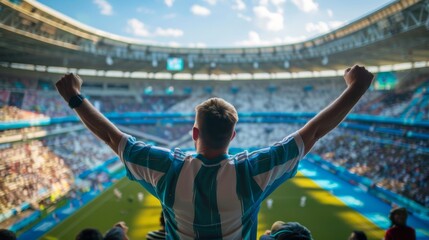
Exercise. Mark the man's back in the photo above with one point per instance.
(211, 198)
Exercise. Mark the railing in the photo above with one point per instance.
(245, 117)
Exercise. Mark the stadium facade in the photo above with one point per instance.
(34, 34)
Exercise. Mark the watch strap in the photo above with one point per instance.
(76, 101)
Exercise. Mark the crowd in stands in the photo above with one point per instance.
(389, 104)
(29, 172)
(11, 113)
(39, 168)
(419, 106)
(399, 229)
(267, 97)
(31, 130)
(80, 150)
(167, 131)
(132, 104)
(46, 102)
(17, 83)
(246, 96)
(401, 168)
(23, 131)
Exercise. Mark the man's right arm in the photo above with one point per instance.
(358, 80)
(69, 86)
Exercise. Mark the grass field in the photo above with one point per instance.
(326, 216)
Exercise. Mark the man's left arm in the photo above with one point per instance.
(358, 80)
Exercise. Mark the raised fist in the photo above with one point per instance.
(358, 77)
(69, 86)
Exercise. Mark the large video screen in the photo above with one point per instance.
(174, 64)
(385, 81)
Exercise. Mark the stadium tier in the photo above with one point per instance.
(48, 159)
(393, 34)
(378, 148)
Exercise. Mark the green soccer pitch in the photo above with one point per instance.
(325, 215)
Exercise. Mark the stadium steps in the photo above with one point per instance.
(143, 135)
(419, 101)
(410, 109)
(373, 102)
(185, 138)
(423, 105)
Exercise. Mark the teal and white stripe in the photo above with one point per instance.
(211, 198)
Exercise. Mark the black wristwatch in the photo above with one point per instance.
(76, 101)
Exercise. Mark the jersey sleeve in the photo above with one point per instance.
(273, 165)
(144, 163)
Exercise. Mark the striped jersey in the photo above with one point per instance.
(211, 198)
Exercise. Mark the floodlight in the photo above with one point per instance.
(255, 65)
(148, 90)
(286, 64)
(109, 60)
(325, 60)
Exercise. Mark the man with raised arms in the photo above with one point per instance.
(213, 195)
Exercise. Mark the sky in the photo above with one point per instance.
(216, 23)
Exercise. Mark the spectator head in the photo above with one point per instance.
(357, 235)
(6, 234)
(214, 123)
(287, 231)
(398, 216)
(118, 232)
(89, 234)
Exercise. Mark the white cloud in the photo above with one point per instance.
(306, 5)
(145, 10)
(104, 6)
(136, 27)
(168, 32)
(278, 4)
(289, 40)
(272, 21)
(322, 27)
(197, 45)
(330, 12)
(239, 5)
(211, 2)
(169, 3)
(200, 10)
(255, 40)
(263, 2)
(336, 24)
(244, 17)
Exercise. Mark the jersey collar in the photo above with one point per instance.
(212, 161)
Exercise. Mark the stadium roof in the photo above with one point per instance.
(34, 34)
